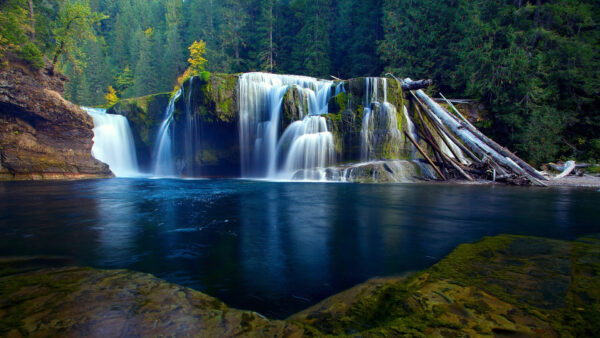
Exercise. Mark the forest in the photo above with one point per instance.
(533, 64)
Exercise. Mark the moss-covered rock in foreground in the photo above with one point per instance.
(503, 285)
(75, 301)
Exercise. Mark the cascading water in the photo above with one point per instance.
(263, 154)
(192, 135)
(113, 142)
(310, 149)
(375, 102)
(164, 162)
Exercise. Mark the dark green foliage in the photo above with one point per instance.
(534, 64)
(31, 53)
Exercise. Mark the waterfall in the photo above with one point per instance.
(260, 99)
(192, 135)
(310, 149)
(113, 142)
(164, 162)
(371, 99)
(339, 88)
(410, 126)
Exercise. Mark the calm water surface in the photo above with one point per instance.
(275, 248)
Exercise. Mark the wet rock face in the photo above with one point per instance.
(293, 107)
(385, 126)
(213, 114)
(43, 136)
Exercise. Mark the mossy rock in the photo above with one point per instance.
(294, 106)
(211, 105)
(503, 285)
(74, 301)
(214, 99)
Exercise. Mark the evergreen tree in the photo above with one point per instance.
(174, 56)
(96, 75)
(145, 80)
(313, 47)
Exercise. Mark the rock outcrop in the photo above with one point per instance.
(43, 136)
(500, 286)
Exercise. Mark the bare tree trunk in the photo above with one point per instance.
(471, 140)
(501, 150)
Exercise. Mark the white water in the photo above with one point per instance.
(310, 149)
(378, 113)
(113, 142)
(263, 153)
(366, 132)
(192, 133)
(164, 163)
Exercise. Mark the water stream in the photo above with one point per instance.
(307, 144)
(113, 142)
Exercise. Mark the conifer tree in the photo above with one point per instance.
(145, 80)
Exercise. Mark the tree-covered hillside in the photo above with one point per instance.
(534, 63)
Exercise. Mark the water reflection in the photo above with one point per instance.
(273, 247)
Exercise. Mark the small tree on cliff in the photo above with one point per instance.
(111, 97)
(197, 60)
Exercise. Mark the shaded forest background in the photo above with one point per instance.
(534, 64)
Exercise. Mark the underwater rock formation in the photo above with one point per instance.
(502, 285)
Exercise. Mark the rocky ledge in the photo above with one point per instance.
(504, 285)
(43, 136)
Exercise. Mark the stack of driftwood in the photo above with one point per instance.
(456, 148)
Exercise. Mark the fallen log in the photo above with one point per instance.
(569, 166)
(443, 130)
(425, 155)
(415, 85)
(428, 137)
(501, 150)
(471, 140)
(412, 85)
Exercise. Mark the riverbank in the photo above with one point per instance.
(499, 285)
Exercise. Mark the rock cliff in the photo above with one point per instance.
(42, 135)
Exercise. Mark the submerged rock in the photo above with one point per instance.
(42, 135)
(87, 302)
(398, 171)
(503, 285)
